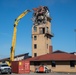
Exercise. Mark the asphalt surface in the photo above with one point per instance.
(42, 74)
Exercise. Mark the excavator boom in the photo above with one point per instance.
(20, 16)
(14, 36)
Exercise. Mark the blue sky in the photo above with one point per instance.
(62, 12)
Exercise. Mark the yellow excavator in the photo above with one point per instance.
(14, 36)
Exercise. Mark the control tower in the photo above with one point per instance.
(41, 31)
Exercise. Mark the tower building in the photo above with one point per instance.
(41, 31)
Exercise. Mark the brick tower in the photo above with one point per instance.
(41, 31)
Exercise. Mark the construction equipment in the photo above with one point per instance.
(43, 69)
(14, 36)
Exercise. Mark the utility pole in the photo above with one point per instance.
(75, 39)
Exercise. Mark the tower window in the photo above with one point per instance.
(35, 54)
(35, 28)
(46, 29)
(35, 46)
(42, 30)
(47, 46)
(35, 37)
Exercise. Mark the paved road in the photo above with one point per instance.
(42, 74)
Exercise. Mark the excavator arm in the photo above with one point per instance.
(20, 17)
(14, 36)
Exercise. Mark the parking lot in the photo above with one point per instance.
(42, 74)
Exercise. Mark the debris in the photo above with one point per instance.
(40, 15)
